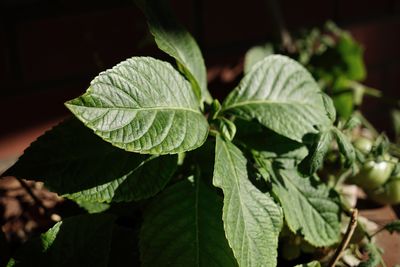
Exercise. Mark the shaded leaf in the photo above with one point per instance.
(268, 144)
(315, 159)
(345, 146)
(75, 163)
(393, 227)
(143, 105)
(183, 227)
(85, 240)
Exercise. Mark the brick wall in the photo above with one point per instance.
(50, 50)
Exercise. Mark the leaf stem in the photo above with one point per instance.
(346, 238)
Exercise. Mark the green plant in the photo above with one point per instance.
(335, 60)
(208, 184)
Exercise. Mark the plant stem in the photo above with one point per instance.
(343, 177)
(346, 238)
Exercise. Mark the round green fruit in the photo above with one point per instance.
(363, 144)
(389, 193)
(373, 174)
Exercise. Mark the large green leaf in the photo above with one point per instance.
(256, 54)
(252, 220)
(183, 227)
(74, 162)
(281, 95)
(172, 38)
(309, 207)
(86, 240)
(143, 105)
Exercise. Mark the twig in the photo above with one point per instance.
(33, 196)
(346, 238)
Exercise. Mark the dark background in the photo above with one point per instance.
(50, 50)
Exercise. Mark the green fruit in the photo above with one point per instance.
(389, 193)
(363, 144)
(373, 174)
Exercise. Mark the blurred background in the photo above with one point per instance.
(51, 50)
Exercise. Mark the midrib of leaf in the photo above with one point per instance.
(166, 108)
(272, 102)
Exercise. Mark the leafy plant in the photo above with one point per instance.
(210, 184)
(335, 60)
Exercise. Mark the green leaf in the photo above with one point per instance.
(227, 128)
(315, 159)
(352, 56)
(345, 146)
(330, 107)
(143, 105)
(172, 38)
(252, 220)
(374, 256)
(281, 95)
(74, 162)
(344, 104)
(92, 207)
(256, 54)
(183, 227)
(393, 227)
(309, 207)
(268, 144)
(85, 240)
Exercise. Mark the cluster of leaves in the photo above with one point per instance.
(333, 57)
(147, 134)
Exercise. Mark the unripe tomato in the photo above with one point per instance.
(389, 193)
(373, 174)
(363, 144)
